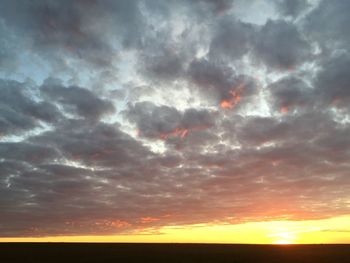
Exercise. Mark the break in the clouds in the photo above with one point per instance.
(121, 116)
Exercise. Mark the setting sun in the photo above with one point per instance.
(283, 238)
(283, 242)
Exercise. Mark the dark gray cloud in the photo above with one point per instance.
(213, 77)
(97, 145)
(19, 113)
(8, 60)
(219, 81)
(217, 118)
(162, 121)
(27, 152)
(231, 40)
(290, 128)
(163, 65)
(291, 93)
(332, 81)
(327, 24)
(291, 8)
(77, 100)
(50, 26)
(219, 6)
(74, 29)
(280, 45)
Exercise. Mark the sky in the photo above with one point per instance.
(175, 121)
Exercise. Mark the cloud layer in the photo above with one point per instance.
(121, 116)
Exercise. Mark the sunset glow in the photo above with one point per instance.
(271, 232)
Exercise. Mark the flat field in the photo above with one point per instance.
(169, 253)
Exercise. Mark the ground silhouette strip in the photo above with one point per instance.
(169, 253)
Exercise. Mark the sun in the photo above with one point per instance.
(283, 242)
(284, 236)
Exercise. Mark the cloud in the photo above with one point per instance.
(219, 6)
(332, 18)
(163, 64)
(77, 31)
(58, 171)
(8, 58)
(291, 8)
(280, 45)
(163, 122)
(100, 180)
(231, 39)
(19, 112)
(77, 100)
(291, 93)
(333, 80)
(287, 129)
(210, 75)
(96, 145)
(220, 82)
(27, 152)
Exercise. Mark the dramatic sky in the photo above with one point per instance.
(121, 117)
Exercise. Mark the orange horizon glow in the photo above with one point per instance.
(334, 230)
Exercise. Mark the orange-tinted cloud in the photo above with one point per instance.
(236, 96)
(178, 132)
(182, 132)
(120, 224)
(284, 109)
(148, 219)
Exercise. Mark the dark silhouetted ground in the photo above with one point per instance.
(169, 253)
